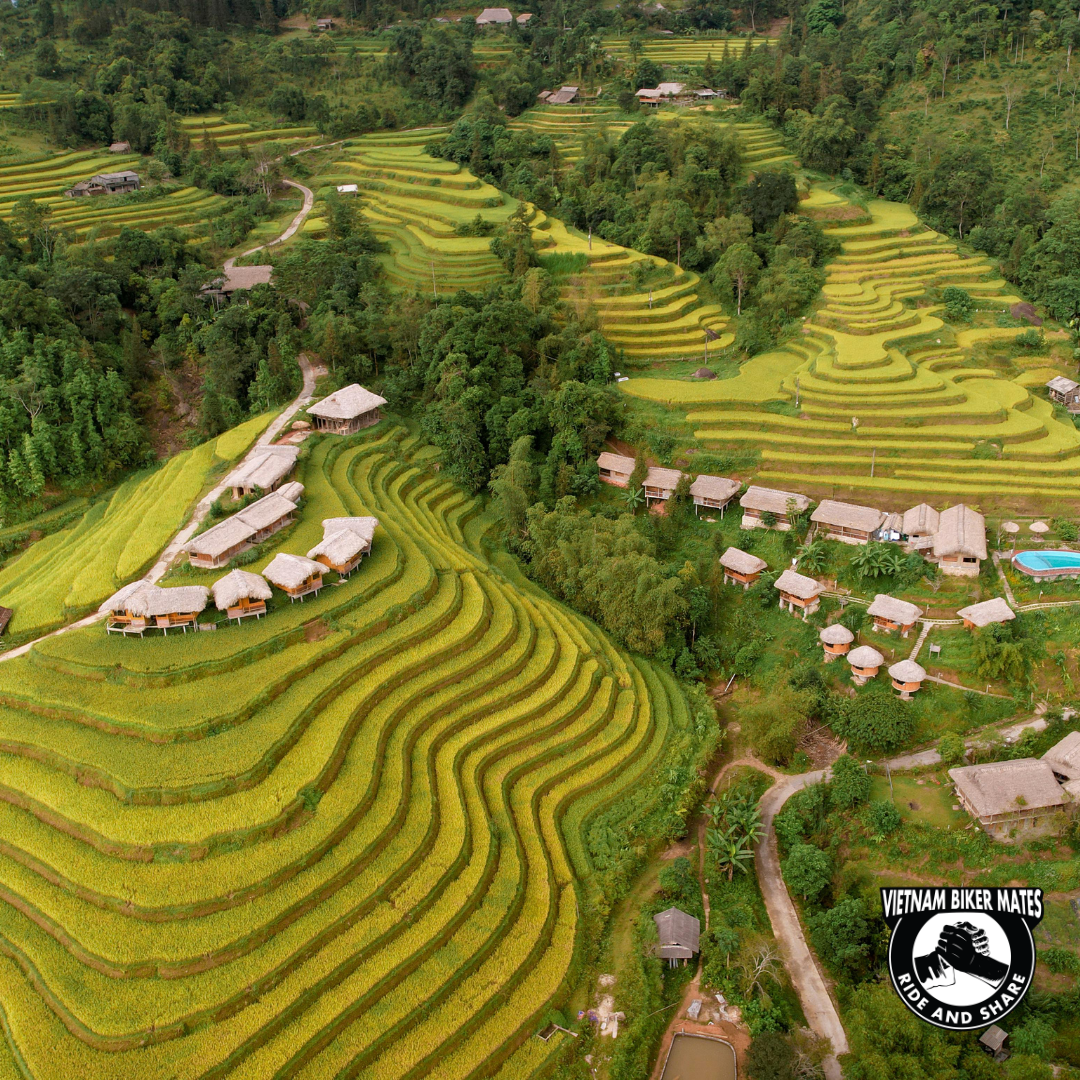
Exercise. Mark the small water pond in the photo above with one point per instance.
(699, 1057)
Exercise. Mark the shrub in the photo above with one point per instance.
(951, 748)
(875, 721)
(884, 817)
(1061, 961)
(1067, 530)
(770, 1057)
(1029, 339)
(958, 304)
(807, 870)
(850, 784)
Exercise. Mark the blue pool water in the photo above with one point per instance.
(1048, 560)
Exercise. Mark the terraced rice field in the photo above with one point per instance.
(905, 376)
(229, 134)
(489, 50)
(343, 842)
(682, 51)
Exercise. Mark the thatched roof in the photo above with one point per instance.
(293, 491)
(794, 584)
(678, 932)
(1064, 756)
(146, 600)
(897, 611)
(921, 520)
(907, 671)
(961, 531)
(718, 488)
(220, 538)
(893, 523)
(742, 562)
(865, 656)
(848, 516)
(994, 789)
(616, 463)
(239, 585)
(265, 511)
(237, 278)
(771, 500)
(836, 634)
(291, 571)
(344, 539)
(118, 601)
(989, 611)
(264, 467)
(347, 403)
(664, 479)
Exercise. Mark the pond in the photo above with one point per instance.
(699, 1057)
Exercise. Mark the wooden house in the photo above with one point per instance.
(347, 410)
(140, 606)
(5, 617)
(865, 663)
(836, 640)
(112, 183)
(324, 22)
(799, 593)
(1065, 392)
(220, 543)
(1064, 758)
(241, 595)
(890, 614)
(960, 542)
(994, 1041)
(976, 616)
(295, 575)
(1011, 799)
(920, 523)
(907, 677)
(741, 567)
(494, 17)
(345, 542)
(262, 470)
(679, 935)
(566, 95)
(615, 468)
(660, 484)
(848, 522)
(713, 492)
(758, 501)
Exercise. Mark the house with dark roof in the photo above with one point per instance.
(679, 935)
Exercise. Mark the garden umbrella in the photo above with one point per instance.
(1012, 529)
(1038, 528)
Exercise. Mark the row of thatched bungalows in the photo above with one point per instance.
(142, 606)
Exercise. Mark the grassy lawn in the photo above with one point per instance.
(926, 800)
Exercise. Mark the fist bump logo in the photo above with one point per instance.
(961, 958)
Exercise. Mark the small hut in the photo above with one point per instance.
(1065, 392)
(742, 567)
(140, 606)
(836, 639)
(615, 468)
(241, 594)
(679, 935)
(907, 677)
(347, 410)
(713, 492)
(993, 1040)
(5, 617)
(293, 491)
(660, 484)
(758, 501)
(120, 148)
(345, 542)
(846, 521)
(976, 616)
(920, 522)
(890, 614)
(865, 662)
(295, 575)
(262, 470)
(798, 591)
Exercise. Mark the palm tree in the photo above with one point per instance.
(729, 850)
(633, 498)
(813, 556)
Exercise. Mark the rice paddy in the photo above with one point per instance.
(888, 395)
(683, 51)
(347, 840)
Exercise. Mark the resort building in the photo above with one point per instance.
(907, 677)
(262, 470)
(660, 484)
(758, 501)
(679, 935)
(345, 542)
(713, 492)
(865, 663)
(109, 183)
(960, 541)
(1065, 392)
(920, 522)
(890, 614)
(295, 575)
(140, 606)
(1064, 758)
(976, 616)
(848, 522)
(615, 468)
(347, 410)
(799, 592)
(836, 640)
(1011, 799)
(742, 567)
(250, 526)
(241, 594)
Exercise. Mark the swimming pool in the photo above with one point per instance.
(1046, 564)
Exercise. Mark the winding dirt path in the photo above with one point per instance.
(294, 225)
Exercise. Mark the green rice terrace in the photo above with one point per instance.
(678, 51)
(880, 392)
(344, 841)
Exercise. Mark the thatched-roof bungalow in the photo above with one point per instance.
(345, 542)
(241, 594)
(799, 592)
(1064, 757)
(660, 484)
(1011, 799)
(741, 566)
(222, 542)
(347, 410)
(757, 501)
(293, 491)
(920, 522)
(713, 492)
(890, 614)
(295, 575)
(140, 606)
(848, 522)
(836, 640)
(907, 677)
(960, 541)
(865, 663)
(262, 470)
(615, 468)
(976, 616)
